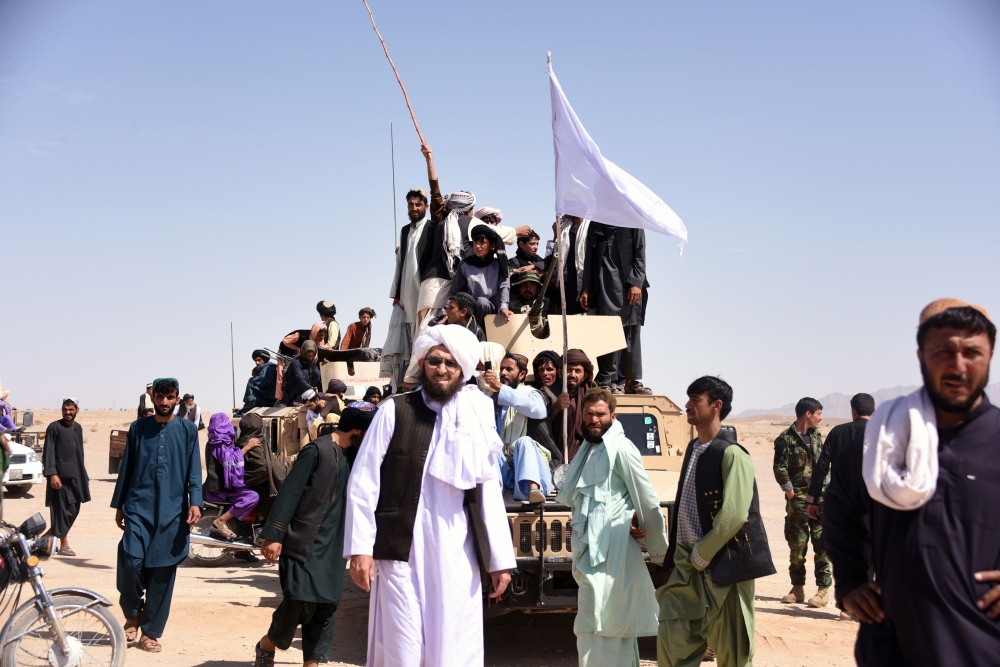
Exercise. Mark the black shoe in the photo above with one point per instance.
(263, 658)
(246, 555)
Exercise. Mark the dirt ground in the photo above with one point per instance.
(218, 614)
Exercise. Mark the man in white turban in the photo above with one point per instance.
(410, 533)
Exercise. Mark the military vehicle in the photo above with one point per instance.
(543, 580)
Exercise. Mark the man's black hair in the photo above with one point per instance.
(532, 234)
(807, 405)
(69, 401)
(165, 387)
(966, 318)
(187, 396)
(863, 404)
(416, 194)
(717, 390)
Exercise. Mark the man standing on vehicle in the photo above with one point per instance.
(717, 542)
(796, 451)
(524, 464)
(158, 498)
(409, 535)
(608, 488)
(62, 464)
(304, 533)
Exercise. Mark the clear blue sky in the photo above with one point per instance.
(166, 168)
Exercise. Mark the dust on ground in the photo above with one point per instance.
(218, 614)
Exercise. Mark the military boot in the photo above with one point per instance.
(821, 598)
(797, 594)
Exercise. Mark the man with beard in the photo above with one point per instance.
(929, 466)
(614, 283)
(717, 542)
(579, 379)
(260, 387)
(608, 489)
(409, 534)
(412, 242)
(188, 409)
(524, 465)
(157, 499)
(304, 533)
(301, 374)
(68, 483)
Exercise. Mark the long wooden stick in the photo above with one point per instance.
(395, 71)
(562, 297)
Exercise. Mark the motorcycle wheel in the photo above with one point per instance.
(95, 636)
(202, 554)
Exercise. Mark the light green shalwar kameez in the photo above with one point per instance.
(605, 484)
(694, 614)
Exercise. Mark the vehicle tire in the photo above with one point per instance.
(204, 555)
(94, 629)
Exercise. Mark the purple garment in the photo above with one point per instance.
(243, 501)
(220, 439)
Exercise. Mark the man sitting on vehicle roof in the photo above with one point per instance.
(260, 387)
(524, 466)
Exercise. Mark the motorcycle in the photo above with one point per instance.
(64, 627)
(209, 549)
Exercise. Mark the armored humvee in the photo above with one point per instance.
(542, 537)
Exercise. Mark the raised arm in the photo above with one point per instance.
(439, 210)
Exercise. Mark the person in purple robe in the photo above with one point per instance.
(224, 464)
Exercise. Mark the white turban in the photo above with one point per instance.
(461, 201)
(486, 210)
(461, 342)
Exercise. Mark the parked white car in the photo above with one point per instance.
(25, 469)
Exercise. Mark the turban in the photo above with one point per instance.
(261, 354)
(357, 415)
(461, 342)
(546, 355)
(493, 353)
(938, 306)
(577, 357)
(326, 308)
(464, 300)
(519, 359)
(486, 210)
(336, 386)
(486, 231)
(371, 391)
(461, 201)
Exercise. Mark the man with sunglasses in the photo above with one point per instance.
(410, 520)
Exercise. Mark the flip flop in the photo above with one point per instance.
(66, 551)
(150, 644)
(224, 532)
(131, 629)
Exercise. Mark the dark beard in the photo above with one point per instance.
(169, 411)
(943, 404)
(438, 393)
(594, 435)
(512, 383)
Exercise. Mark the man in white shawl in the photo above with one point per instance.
(607, 487)
(408, 533)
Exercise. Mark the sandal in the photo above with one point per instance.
(131, 629)
(66, 551)
(223, 531)
(263, 658)
(639, 388)
(150, 644)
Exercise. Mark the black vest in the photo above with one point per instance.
(401, 477)
(317, 498)
(747, 555)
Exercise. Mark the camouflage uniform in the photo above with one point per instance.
(793, 467)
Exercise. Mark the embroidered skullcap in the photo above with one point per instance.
(486, 210)
(938, 306)
(461, 342)
(519, 359)
(357, 415)
(417, 192)
(308, 395)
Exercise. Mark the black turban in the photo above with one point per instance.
(357, 415)
(326, 309)
(261, 354)
(336, 386)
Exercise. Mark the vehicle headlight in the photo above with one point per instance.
(33, 458)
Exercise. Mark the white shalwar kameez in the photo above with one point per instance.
(427, 612)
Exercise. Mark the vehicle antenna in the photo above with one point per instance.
(232, 358)
(392, 147)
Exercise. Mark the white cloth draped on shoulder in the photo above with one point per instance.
(900, 465)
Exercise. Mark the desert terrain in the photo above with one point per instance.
(218, 614)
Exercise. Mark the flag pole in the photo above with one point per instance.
(232, 359)
(396, 72)
(562, 298)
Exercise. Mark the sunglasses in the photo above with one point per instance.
(434, 362)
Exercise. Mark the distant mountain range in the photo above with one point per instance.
(839, 405)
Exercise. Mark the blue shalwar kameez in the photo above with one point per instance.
(160, 479)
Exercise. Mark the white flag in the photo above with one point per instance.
(592, 187)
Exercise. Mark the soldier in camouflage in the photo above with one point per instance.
(796, 451)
